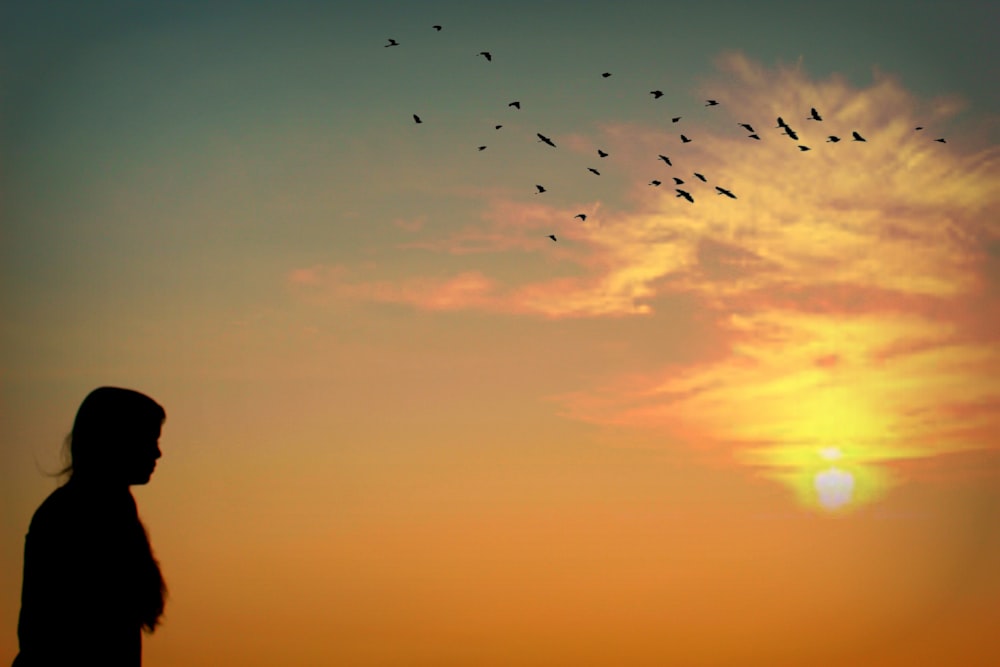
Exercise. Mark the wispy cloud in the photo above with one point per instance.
(410, 224)
(468, 289)
(812, 380)
(846, 278)
(898, 212)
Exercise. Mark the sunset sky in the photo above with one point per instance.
(406, 427)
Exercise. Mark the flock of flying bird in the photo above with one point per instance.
(657, 94)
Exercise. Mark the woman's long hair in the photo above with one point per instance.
(108, 420)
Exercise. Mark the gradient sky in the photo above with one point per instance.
(407, 428)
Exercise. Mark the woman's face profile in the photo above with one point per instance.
(141, 457)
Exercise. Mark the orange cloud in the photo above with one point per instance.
(899, 212)
(805, 397)
(806, 379)
(853, 281)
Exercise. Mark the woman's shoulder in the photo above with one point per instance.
(72, 505)
(58, 507)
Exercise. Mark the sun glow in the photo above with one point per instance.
(818, 485)
(830, 453)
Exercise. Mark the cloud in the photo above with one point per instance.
(465, 290)
(899, 212)
(410, 224)
(853, 283)
(811, 380)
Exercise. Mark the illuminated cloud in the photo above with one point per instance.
(819, 382)
(882, 391)
(899, 213)
(854, 283)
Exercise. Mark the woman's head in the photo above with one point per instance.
(115, 436)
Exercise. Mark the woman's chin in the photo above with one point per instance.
(141, 479)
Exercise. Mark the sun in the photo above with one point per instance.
(834, 488)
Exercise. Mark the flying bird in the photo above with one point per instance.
(791, 133)
(392, 42)
(654, 183)
(674, 120)
(919, 128)
(581, 216)
(436, 27)
(593, 171)
(754, 136)
(601, 153)
(857, 137)
(487, 55)
(685, 194)
(703, 179)
(540, 189)
(666, 159)
(482, 148)
(684, 139)
(497, 127)
(515, 104)
(832, 139)
(416, 118)
(781, 123)
(941, 140)
(552, 236)
(814, 115)
(657, 94)
(723, 191)
(678, 181)
(542, 137)
(606, 75)
(804, 148)
(711, 103)
(746, 126)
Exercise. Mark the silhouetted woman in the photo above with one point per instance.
(91, 584)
